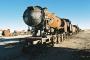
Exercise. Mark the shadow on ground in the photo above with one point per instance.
(43, 53)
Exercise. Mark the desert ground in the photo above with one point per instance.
(76, 47)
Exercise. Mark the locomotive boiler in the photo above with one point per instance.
(33, 16)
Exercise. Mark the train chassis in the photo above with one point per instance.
(50, 40)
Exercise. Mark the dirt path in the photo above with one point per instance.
(79, 41)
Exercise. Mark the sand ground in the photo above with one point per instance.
(77, 47)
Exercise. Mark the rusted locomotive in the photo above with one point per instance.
(47, 24)
(40, 19)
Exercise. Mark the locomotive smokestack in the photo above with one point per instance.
(31, 8)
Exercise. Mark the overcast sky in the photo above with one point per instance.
(11, 11)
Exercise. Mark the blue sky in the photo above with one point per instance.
(11, 11)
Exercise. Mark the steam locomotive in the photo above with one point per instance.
(41, 19)
(46, 23)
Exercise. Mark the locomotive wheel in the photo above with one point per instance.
(58, 38)
(64, 36)
(52, 41)
(55, 39)
(61, 37)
